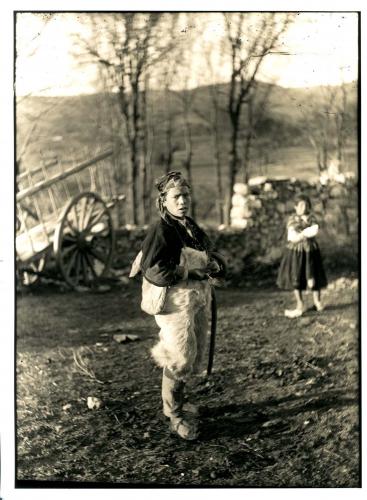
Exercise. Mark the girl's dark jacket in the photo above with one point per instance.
(162, 249)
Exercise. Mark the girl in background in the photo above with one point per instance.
(301, 266)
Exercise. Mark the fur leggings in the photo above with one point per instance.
(183, 329)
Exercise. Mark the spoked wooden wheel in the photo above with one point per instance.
(84, 240)
(30, 273)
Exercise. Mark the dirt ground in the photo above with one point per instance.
(281, 408)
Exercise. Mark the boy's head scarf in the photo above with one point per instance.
(164, 183)
(170, 180)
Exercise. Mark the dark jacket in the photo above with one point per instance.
(162, 250)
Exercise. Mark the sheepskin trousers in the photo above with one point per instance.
(184, 329)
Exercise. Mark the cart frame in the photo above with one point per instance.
(68, 215)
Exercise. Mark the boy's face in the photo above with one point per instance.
(301, 208)
(178, 201)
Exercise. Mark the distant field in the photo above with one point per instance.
(300, 162)
(292, 161)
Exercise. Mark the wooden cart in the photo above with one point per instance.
(67, 213)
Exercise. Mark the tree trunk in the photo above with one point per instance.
(340, 140)
(218, 169)
(168, 154)
(147, 178)
(340, 124)
(246, 159)
(233, 164)
(143, 184)
(137, 150)
(146, 170)
(319, 162)
(134, 180)
(188, 160)
(325, 155)
(168, 157)
(119, 175)
(248, 141)
(345, 217)
(340, 149)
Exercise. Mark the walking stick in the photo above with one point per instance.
(213, 331)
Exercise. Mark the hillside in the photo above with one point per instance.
(67, 126)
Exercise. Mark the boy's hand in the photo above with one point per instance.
(198, 274)
(201, 274)
(213, 267)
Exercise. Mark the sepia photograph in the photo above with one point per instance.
(187, 249)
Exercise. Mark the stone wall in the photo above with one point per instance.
(259, 215)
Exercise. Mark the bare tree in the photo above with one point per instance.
(215, 96)
(147, 173)
(167, 77)
(340, 119)
(324, 118)
(186, 97)
(251, 37)
(212, 118)
(170, 145)
(127, 46)
(257, 103)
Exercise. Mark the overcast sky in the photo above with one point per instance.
(324, 49)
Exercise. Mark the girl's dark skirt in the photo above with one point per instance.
(299, 265)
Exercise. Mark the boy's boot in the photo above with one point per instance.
(173, 399)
